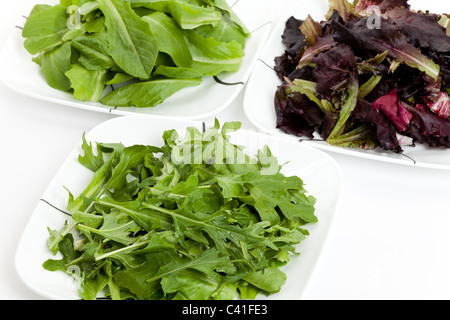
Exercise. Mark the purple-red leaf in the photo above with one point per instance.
(428, 128)
(333, 70)
(386, 133)
(394, 110)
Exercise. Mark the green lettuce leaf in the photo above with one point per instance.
(87, 85)
(169, 38)
(94, 51)
(131, 42)
(45, 28)
(147, 94)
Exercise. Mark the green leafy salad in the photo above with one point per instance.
(197, 219)
(145, 50)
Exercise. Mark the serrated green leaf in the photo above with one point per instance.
(155, 228)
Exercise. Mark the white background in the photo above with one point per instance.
(391, 233)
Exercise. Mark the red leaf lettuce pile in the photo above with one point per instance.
(374, 74)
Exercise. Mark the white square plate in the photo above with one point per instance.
(21, 74)
(320, 173)
(262, 85)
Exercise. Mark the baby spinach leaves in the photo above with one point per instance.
(150, 49)
(197, 218)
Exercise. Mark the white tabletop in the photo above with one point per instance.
(390, 238)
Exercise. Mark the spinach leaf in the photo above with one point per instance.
(211, 56)
(54, 65)
(132, 44)
(169, 38)
(147, 94)
(157, 46)
(94, 51)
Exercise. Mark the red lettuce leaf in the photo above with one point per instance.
(322, 44)
(296, 113)
(385, 130)
(284, 66)
(394, 110)
(294, 40)
(359, 37)
(292, 37)
(383, 5)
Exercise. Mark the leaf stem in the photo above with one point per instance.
(130, 247)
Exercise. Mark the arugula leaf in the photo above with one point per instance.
(135, 280)
(116, 226)
(144, 217)
(268, 193)
(179, 222)
(68, 252)
(270, 280)
(89, 159)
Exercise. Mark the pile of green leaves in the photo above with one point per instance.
(148, 49)
(184, 221)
